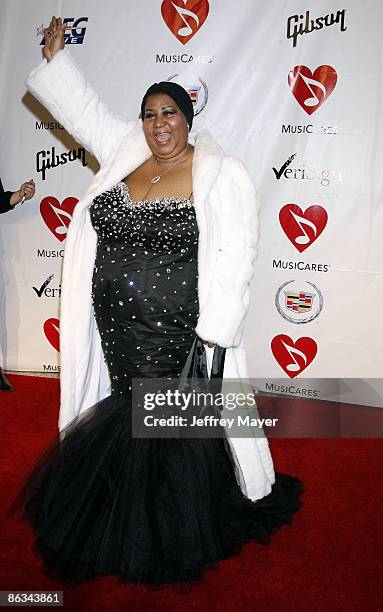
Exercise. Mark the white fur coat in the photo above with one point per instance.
(225, 206)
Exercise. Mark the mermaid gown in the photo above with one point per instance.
(145, 510)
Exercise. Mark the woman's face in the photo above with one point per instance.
(165, 127)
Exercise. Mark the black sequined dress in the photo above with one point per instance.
(145, 510)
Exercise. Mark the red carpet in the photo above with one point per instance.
(330, 558)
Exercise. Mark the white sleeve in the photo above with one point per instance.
(221, 321)
(62, 88)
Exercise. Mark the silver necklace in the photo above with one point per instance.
(158, 176)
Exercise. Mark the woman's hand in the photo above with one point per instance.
(210, 344)
(26, 191)
(54, 38)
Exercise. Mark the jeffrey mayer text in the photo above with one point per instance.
(246, 421)
(208, 421)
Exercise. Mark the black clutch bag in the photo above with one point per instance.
(194, 376)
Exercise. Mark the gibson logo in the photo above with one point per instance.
(297, 25)
(45, 160)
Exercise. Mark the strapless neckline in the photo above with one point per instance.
(159, 199)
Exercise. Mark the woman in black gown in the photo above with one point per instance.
(102, 501)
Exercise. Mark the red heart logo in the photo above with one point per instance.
(58, 216)
(309, 89)
(52, 332)
(302, 228)
(293, 357)
(184, 17)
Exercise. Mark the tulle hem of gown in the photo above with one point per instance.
(153, 511)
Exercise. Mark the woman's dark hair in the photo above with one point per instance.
(174, 91)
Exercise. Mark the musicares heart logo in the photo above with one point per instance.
(52, 332)
(311, 89)
(184, 17)
(293, 357)
(302, 228)
(57, 216)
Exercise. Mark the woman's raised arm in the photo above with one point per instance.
(61, 87)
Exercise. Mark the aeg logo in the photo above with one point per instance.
(73, 35)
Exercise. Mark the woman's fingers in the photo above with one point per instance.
(53, 26)
(46, 49)
(55, 38)
(210, 344)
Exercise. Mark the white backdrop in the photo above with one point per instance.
(303, 113)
